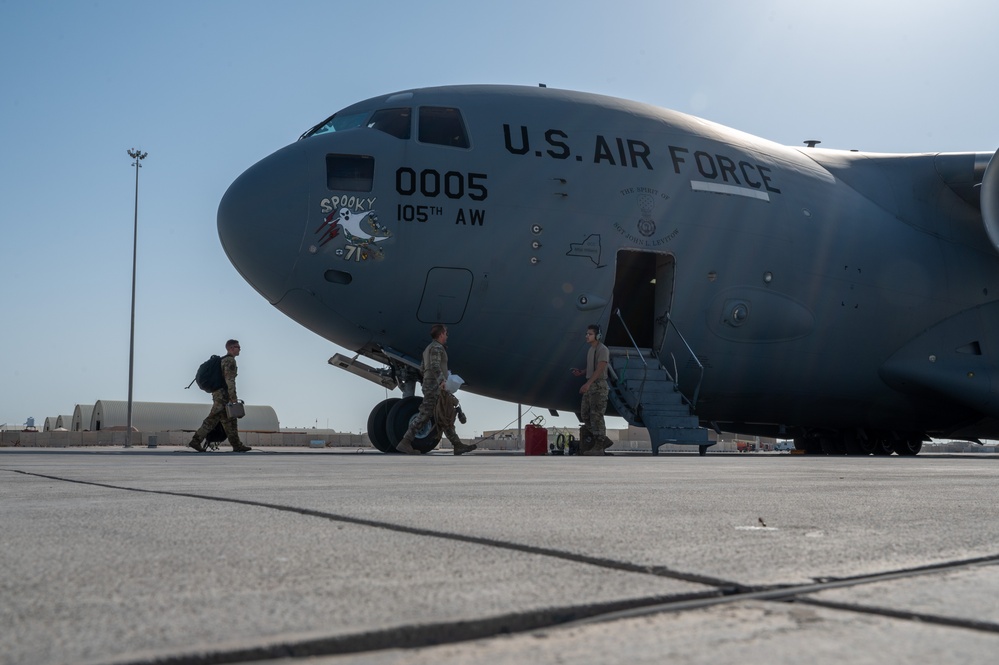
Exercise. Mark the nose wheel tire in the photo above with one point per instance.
(403, 413)
(377, 422)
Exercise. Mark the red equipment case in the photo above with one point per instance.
(535, 440)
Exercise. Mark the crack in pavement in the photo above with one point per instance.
(425, 635)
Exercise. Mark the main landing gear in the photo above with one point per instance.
(390, 419)
(859, 442)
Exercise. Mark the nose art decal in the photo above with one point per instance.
(361, 230)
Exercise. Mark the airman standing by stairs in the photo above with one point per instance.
(593, 432)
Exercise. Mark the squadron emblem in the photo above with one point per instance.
(361, 230)
(645, 232)
(646, 225)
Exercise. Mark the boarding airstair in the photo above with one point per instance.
(644, 392)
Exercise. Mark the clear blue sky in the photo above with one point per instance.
(209, 88)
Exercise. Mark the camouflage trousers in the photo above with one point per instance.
(593, 407)
(426, 415)
(218, 415)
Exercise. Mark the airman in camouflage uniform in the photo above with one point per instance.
(593, 432)
(220, 398)
(434, 380)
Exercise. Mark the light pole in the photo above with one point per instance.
(138, 156)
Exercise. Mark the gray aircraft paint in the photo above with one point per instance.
(823, 291)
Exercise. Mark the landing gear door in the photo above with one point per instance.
(445, 295)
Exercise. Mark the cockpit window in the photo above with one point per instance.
(442, 126)
(337, 123)
(392, 121)
(352, 173)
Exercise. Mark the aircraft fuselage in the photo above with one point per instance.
(819, 289)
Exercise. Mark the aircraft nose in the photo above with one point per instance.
(262, 219)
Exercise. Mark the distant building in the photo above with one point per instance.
(81, 417)
(167, 416)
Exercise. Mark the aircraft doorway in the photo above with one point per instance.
(643, 291)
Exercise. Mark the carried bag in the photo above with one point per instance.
(235, 409)
(209, 375)
(215, 437)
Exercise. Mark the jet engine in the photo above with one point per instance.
(989, 200)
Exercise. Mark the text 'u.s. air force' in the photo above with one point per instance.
(627, 152)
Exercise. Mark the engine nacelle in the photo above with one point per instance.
(989, 200)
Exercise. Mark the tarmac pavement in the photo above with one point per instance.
(169, 556)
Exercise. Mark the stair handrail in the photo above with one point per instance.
(667, 321)
(618, 312)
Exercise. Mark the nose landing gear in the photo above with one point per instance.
(390, 419)
(377, 425)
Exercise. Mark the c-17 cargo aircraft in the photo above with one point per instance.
(849, 300)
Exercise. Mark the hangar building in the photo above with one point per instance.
(167, 416)
(81, 417)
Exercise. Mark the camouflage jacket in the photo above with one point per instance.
(434, 366)
(229, 374)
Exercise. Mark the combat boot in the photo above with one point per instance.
(406, 446)
(461, 448)
(196, 445)
(240, 448)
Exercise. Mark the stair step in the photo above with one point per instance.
(653, 403)
(661, 390)
(639, 372)
(659, 420)
(660, 381)
(647, 389)
(666, 410)
(681, 435)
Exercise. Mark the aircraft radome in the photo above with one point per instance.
(847, 299)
